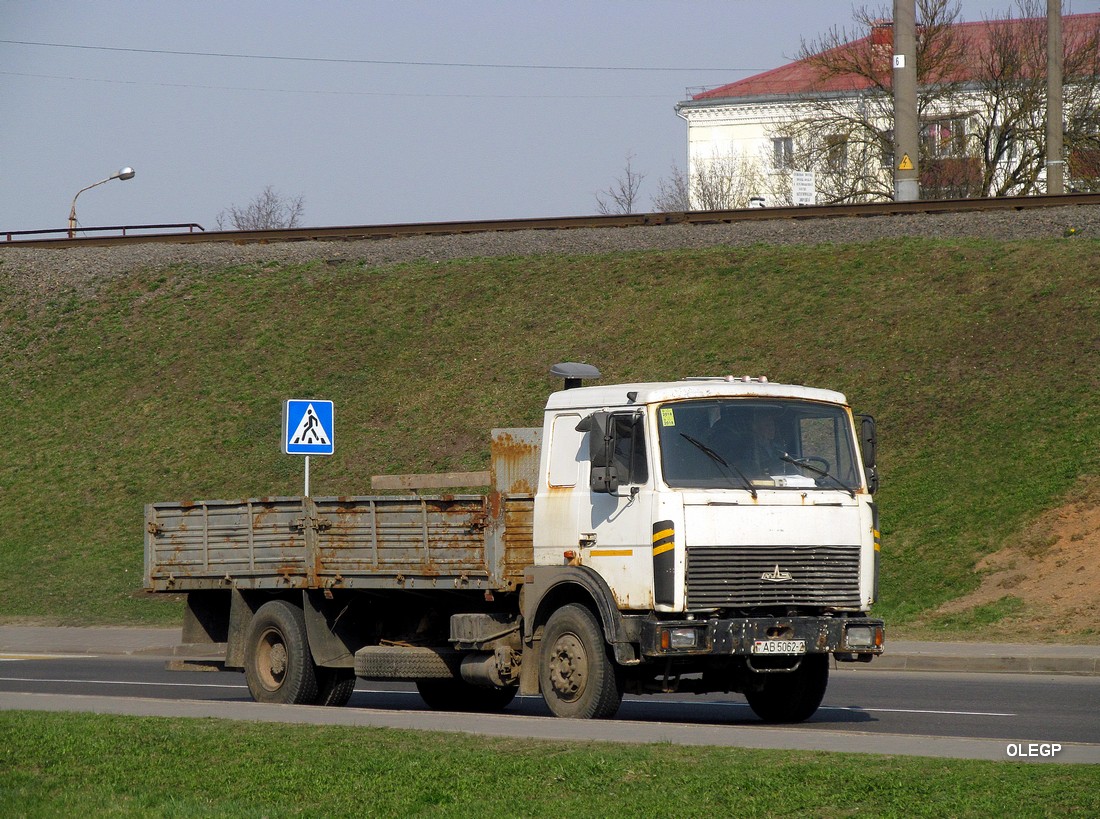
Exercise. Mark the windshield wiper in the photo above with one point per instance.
(718, 459)
(804, 464)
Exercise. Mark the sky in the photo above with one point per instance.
(371, 112)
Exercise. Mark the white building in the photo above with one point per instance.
(750, 137)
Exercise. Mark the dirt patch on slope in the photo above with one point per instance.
(1053, 567)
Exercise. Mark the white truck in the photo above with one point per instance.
(709, 534)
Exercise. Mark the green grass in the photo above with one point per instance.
(980, 360)
(979, 617)
(88, 764)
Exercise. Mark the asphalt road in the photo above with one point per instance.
(1011, 717)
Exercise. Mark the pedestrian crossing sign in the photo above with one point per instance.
(307, 427)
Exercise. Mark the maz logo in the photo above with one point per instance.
(777, 576)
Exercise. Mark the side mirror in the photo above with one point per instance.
(603, 478)
(868, 442)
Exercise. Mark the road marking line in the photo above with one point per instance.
(854, 708)
(915, 711)
(123, 682)
(239, 686)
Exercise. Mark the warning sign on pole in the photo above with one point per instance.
(906, 163)
(307, 427)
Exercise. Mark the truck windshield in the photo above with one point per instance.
(768, 443)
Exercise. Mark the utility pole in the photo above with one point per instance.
(906, 128)
(1055, 164)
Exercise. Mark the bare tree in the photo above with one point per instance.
(846, 140)
(981, 105)
(722, 182)
(726, 181)
(673, 194)
(268, 211)
(1009, 136)
(623, 194)
(1008, 132)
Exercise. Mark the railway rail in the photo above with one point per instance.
(708, 217)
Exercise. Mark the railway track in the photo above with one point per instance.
(390, 231)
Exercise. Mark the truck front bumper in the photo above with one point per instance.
(849, 638)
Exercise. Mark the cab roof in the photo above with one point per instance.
(635, 395)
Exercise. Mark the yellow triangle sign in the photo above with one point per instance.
(906, 163)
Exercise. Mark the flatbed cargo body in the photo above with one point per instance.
(413, 542)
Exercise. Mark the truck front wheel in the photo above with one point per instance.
(578, 678)
(793, 696)
(278, 666)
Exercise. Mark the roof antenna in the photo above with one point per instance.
(573, 372)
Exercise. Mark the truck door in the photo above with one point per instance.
(616, 534)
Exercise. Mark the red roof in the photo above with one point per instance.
(803, 77)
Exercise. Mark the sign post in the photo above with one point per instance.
(308, 430)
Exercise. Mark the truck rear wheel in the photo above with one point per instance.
(794, 696)
(578, 678)
(334, 686)
(459, 695)
(278, 665)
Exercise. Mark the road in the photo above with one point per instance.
(975, 715)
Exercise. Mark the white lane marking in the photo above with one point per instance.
(123, 682)
(239, 686)
(857, 709)
(15, 657)
(854, 708)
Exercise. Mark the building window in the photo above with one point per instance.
(886, 149)
(782, 152)
(944, 137)
(836, 151)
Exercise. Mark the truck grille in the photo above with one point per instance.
(733, 576)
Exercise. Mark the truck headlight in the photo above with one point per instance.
(680, 638)
(863, 636)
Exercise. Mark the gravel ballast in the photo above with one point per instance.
(42, 271)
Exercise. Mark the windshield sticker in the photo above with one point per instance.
(667, 417)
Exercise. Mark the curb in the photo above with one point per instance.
(1007, 664)
(989, 658)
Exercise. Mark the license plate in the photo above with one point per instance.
(779, 647)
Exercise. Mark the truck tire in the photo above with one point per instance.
(278, 666)
(793, 697)
(579, 679)
(334, 686)
(459, 695)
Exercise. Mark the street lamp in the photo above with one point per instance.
(125, 173)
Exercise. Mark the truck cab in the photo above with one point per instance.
(731, 521)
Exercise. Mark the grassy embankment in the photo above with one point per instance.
(87, 764)
(979, 359)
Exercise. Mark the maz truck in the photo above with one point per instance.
(710, 534)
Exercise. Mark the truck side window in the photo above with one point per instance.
(565, 451)
(629, 457)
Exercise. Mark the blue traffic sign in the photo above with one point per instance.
(307, 427)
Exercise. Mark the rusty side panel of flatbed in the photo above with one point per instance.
(476, 541)
(461, 541)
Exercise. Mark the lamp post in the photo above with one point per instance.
(125, 173)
